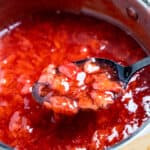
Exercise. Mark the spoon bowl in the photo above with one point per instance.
(96, 93)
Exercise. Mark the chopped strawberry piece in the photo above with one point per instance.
(60, 84)
(61, 105)
(103, 83)
(48, 74)
(85, 101)
(102, 99)
(70, 70)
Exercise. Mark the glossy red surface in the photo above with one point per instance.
(32, 44)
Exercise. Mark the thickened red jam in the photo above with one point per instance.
(31, 45)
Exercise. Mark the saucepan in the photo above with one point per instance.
(132, 16)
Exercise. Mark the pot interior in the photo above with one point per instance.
(115, 12)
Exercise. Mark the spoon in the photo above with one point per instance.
(4, 147)
(124, 73)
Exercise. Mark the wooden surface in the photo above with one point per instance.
(141, 143)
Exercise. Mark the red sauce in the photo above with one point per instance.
(34, 44)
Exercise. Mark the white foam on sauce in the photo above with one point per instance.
(131, 106)
(128, 95)
(125, 134)
(131, 128)
(96, 139)
(81, 77)
(113, 135)
(141, 89)
(146, 104)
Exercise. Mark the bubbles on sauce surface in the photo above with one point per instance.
(34, 44)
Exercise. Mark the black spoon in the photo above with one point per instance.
(124, 72)
(4, 147)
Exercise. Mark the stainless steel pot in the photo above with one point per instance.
(133, 16)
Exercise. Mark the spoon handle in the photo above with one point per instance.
(4, 147)
(131, 70)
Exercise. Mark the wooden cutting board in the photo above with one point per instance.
(141, 143)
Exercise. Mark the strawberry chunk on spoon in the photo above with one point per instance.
(71, 88)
